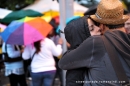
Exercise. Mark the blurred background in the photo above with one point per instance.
(19, 4)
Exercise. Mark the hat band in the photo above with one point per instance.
(97, 16)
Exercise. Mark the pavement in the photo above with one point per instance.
(4, 81)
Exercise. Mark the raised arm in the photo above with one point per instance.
(82, 55)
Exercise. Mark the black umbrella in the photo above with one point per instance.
(91, 10)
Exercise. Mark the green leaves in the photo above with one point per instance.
(15, 4)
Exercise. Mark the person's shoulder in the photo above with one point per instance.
(95, 37)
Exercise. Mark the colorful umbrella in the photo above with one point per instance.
(26, 31)
(55, 14)
(47, 18)
(51, 13)
(15, 15)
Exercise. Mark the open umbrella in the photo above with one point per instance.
(4, 12)
(91, 10)
(26, 31)
(15, 15)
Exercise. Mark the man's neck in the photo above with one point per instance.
(121, 29)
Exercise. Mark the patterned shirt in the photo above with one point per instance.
(18, 71)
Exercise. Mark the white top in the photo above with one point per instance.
(44, 60)
(12, 67)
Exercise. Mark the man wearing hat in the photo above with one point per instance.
(106, 57)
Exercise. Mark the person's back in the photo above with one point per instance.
(14, 70)
(44, 56)
(43, 64)
(100, 68)
(101, 71)
(12, 54)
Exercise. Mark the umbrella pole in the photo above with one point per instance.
(66, 11)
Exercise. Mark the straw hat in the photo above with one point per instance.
(110, 12)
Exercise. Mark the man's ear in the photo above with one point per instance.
(102, 26)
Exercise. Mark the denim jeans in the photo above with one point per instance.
(43, 78)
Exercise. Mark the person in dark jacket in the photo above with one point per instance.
(92, 54)
(86, 27)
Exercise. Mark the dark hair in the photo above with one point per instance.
(114, 26)
(95, 23)
(37, 45)
(109, 26)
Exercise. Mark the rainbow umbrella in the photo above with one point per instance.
(26, 31)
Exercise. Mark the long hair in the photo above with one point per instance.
(96, 23)
(37, 45)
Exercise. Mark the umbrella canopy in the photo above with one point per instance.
(4, 12)
(15, 15)
(91, 10)
(47, 5)
(55, 15)
(26, 31)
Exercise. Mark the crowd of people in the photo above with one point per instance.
(44, 55)
(98, 53)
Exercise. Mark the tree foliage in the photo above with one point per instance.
(127, 3)
(15, 4)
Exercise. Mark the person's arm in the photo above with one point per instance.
(12, 53)
(27, 52)
(56, 49)
(77, 57)
(83, 55)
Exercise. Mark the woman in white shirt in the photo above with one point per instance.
(43, 65)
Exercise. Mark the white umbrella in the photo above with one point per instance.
(44, 5)
(47, 5)
(79, 8)
(4, 12)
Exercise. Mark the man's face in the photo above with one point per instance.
(127, 26)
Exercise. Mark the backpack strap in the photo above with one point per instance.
(8, 59)
(116, 62)
(33, 55)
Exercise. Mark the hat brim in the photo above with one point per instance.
(111, 21)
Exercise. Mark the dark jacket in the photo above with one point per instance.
(75, 33)
(92, 55)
